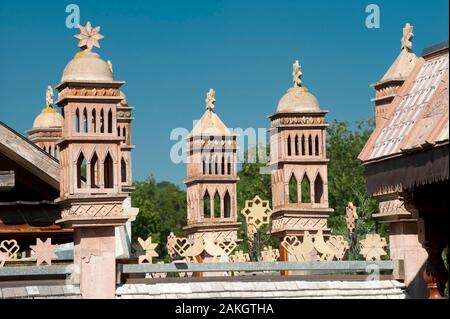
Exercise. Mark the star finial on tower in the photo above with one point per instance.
(210, 99)
(297, 74)
(88, 37)
(408, 35)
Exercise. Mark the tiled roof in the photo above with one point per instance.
(418, 116)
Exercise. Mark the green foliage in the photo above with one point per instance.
(162, 210)
(346, 181)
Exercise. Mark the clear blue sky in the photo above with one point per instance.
(171, 52)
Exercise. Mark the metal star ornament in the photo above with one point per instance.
(88, 37)
(43, 251)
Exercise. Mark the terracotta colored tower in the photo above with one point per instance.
(298, 163)
(90, 155)
(211, 177)
(47, 127)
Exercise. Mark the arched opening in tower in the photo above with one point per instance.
(227, 205)
(85, 121)
(217, 205)
(110, 120)
(318, 189)
(108, 172)
(77, 121)
(293, 191)
(123, 170)
(95, 165)
(306, 190)
(289, 146)
(206, 205)
(81, 171)
(317, 145)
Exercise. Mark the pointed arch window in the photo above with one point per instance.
(108, 171)
(316, 142)
(310, 150)
(293, 191)
(85, 121)
(123, 170)
(306, 190)
(303, 145)
(289, 145)
(204, 166)
(77, 121)
(318, 189)
(217, 205)
(95, 169)
(110, 120)
(81, 171)
(102, 121)
(296, 145)
(94, 121)
(206, 205)
(227, 205)
(222, 165)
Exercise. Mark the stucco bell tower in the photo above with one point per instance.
(91, 196)
(298, 163)
(211, 177)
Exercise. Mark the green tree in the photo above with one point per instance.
(346, 182)
(162, 209)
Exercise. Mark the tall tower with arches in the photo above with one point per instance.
(91, 186)
(211, 177)
(298, 163)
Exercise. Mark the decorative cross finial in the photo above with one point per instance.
(408, 35)
(210, 99)
(49, 96)
(297, 74)
(88, 37)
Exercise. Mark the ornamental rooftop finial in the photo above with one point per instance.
(297, 74)
(88, 37)
(210, 99)
(408, 35)
(49, 97)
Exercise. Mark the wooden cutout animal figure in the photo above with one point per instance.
(338, 245)
(302, 251)
(325, 251)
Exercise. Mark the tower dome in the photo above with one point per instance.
(48, 118)
(298, 99)
(87, 66)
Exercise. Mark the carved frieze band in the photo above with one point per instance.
(89, 92)
(223, 236)
(308, 223)
(298, 120)
(98, 210)
(393, 207)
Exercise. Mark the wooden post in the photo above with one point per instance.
(284, 256)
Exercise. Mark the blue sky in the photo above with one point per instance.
(171, 52)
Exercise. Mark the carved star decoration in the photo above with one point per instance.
(43, 251)
(372, 247)
(257, 213)
(88, 37)
(145, 250)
